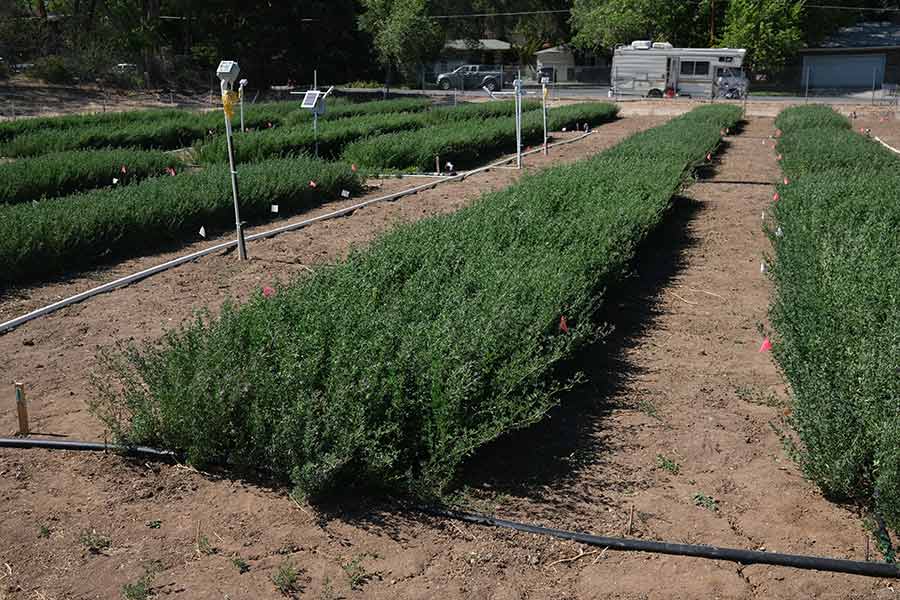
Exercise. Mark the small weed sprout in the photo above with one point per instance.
(667, 464)
(43, 531)
(94, 542)
(242, 565)
(287, 579)
(707, 502)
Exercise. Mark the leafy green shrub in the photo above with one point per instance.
(62, 173)
(52, 69)
(390, 368)
(793, 119)
(11, 129)
(836, 308)
(285, 141)
(341, 109)
(467, 143)
(335, 134)
(66, 233)
(165, 135)
(165, 129)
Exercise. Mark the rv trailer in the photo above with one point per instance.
(657, 69)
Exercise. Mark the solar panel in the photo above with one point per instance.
(310, 99)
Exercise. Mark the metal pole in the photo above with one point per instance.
(806, 96)
(316, 130)
(544, 96)
(518, 123)
(316, 79)
(239, 226)
(241, 92)
(874, 74)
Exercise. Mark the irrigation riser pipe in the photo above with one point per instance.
(744, 557)
(134, 277)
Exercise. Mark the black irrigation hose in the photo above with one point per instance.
(745, 557)
(24, 442)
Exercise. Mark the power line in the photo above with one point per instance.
(501, 14)
(566, 10)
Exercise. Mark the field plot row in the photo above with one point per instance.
(62, 233)
(166, 129)
(390, 368)
(56, 236)
(468, 143)
(837, 304)
(335, 134)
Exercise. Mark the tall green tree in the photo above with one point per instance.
(770, 30)
(402, 30)
(603, 24)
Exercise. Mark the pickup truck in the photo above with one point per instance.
(472, 77)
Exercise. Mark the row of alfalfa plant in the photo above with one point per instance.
(837, 305)
(67, 172)
(166, 129)
(71, 232)
(390, 368)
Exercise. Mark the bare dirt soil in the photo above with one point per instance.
(22, 97)
(675, 436)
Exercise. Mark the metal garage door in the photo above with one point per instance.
(844, 71)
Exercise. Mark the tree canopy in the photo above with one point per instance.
(357, 39)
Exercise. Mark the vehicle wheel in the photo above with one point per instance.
(445, 84)
(655, 94)
(491, 85)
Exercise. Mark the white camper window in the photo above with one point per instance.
(689, 67)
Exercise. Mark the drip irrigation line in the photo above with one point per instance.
(24, 442)
(744, 557)
(134, 277)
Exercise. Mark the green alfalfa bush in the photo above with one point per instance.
(390, 368)
(63, 173)
(154, 129)
(794, 119)
(337, 108)
(333, 135)
(469, 142)
(836, 311)
(81, 231)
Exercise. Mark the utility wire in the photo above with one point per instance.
(566, 10)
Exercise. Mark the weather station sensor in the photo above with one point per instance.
(228, 72)
(314, 100)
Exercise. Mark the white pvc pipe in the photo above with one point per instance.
(129, 279)
(886, 145)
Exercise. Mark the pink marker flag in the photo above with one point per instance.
(709, 156)
(776, 197)
(563, 325)
(786, 181)
(124, 170)
(353, 167)
(268, 292)
(312, 183)
(766, 345)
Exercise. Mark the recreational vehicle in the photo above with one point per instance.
(657, 69)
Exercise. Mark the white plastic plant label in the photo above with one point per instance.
(274, 208)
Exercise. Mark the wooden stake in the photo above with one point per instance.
(630, 519)
(22, 409)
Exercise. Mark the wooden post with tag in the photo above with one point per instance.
(22, 409)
